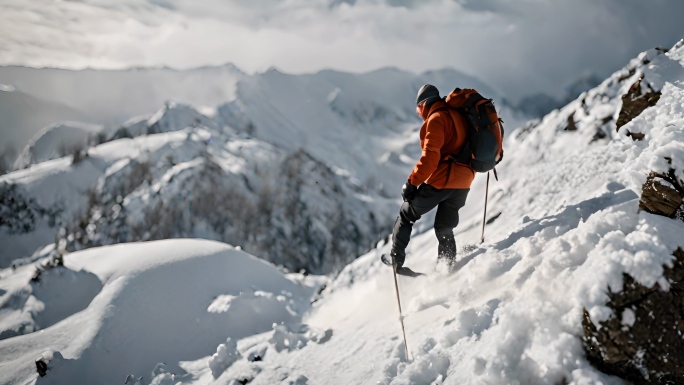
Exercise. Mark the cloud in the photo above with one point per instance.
(520, 46)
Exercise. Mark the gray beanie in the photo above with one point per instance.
(428, 93)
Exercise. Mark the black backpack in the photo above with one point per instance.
(485, 135)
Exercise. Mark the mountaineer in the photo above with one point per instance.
(461, 135)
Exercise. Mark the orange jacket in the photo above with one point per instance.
(439, 137)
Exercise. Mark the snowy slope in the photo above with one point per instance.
(568, 228)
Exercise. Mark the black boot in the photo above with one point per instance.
(446, 251)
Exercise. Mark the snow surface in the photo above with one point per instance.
(564, 227)
(155, 306)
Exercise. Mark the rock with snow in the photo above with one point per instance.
(663, 195)
(284, 339)
(48, 361)
(642, 340)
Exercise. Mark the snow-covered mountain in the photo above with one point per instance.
(40, 97)
(312, 161)
(108, 98)
(587, 212)
(191, 178)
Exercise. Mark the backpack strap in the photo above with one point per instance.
(474, 120)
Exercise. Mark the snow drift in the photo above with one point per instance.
(166, 301)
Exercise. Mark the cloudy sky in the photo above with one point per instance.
(519, 46)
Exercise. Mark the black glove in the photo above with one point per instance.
(408, 191)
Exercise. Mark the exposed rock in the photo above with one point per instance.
(41, 368)
(636, 101)
(47, 361)
(600, 134)
(571, 123)
(658, 198)
(628, 75)
(642, 342)
(636, 135)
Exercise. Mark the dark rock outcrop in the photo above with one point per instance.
(643, 342)
(636, 135)
(571, 123)
(635, 101)
(658, 198)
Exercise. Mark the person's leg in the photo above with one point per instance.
(445, 222)
(426, 199)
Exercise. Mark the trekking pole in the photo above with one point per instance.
(484, 217)
(401, 317)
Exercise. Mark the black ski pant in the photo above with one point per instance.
(447, 201)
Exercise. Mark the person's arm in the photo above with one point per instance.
(432, 146)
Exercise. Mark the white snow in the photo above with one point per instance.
(153, 307)
(566, 229)
(628, 317)
(226, 354)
